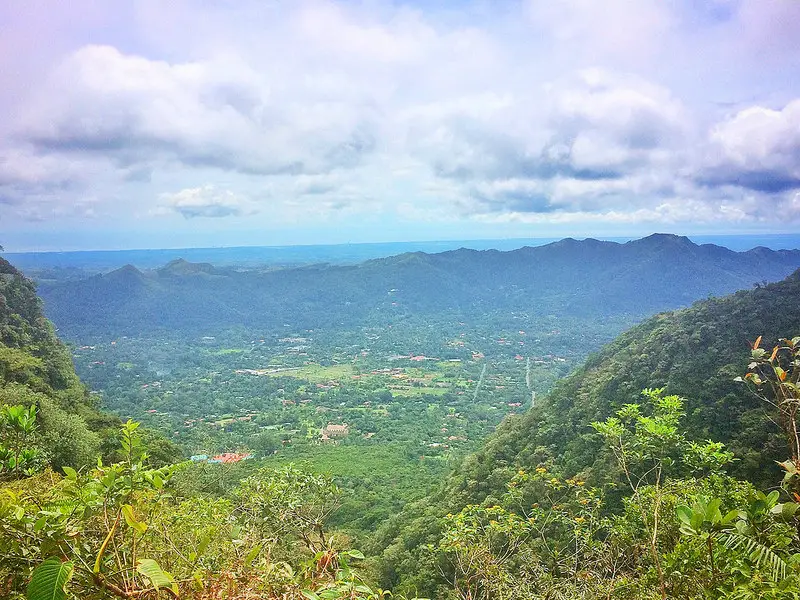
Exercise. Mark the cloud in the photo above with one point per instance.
(757, 148)
(34, 187)
(213, 113)
(206, 201)
(592, 141)
(316, 110)
(639, 28)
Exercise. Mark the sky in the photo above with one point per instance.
(272, 122)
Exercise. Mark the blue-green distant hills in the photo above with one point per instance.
(75, 264)
(587, 279)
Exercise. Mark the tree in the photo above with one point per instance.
(649, 447)
(774, 377)
(18, 454)
(265, 443)
(290, 502)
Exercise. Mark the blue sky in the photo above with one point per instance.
(198, 123)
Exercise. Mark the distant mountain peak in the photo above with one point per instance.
(579, 279)
(181, 266)
(665, 238)
(568, 241)
(407, 258)
(761, 251)
(176, 263)
(124, 277)
(126, 271)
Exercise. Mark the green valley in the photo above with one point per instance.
(465, 452)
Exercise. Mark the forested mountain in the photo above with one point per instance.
(584, 279)
(36, 369)
(696, 353)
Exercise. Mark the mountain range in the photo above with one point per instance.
(585, 279)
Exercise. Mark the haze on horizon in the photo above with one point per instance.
(145, 124)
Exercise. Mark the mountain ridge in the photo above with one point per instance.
(712, 338)
(588, 278)
(36, 369)
(695, 352)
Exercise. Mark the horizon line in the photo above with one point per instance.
(418, 241)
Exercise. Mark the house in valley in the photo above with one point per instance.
(332, 432)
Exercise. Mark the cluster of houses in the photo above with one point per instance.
(224, 458)
(330, 384)
(332, 432)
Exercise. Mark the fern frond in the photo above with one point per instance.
(760, 554)
(62, 503)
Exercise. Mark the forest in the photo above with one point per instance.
(404, 438)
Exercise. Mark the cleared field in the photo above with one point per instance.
(316, 373)
(410, 392)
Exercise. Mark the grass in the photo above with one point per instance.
(413, 392)
(343, 373)
(361, 462)
(226, 351)
(318, 373)
(449, 366)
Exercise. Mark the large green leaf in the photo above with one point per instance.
(159, 579)
(684, 514)
(130, 519)
(49, 579)
(251, 556)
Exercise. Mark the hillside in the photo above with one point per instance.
(36, 368)
(695, 353)
(584, 279)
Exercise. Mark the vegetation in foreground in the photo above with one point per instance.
(668, 522)
(128, 531)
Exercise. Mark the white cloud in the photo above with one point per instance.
(618, 30)
(594, 140)
(209, 113)
(565, 110)
(205, 201)
(757, 148)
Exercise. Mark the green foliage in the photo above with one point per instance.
(49, 580)
(633, 506)
(127, 535)
(289, 501)
(524, 549)
(66, 438)
(159, 578)
(18, 454)
(694, 353)
(36, 370)
(776, 377)
(673, 536)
